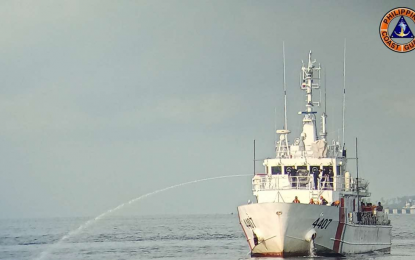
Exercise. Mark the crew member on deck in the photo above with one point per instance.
(296, 200)
(325, 179)
(316, 172)
(323, 201)
(294, 178)
(330, 178)
(311, 201)
(379, 207)
(336, 203)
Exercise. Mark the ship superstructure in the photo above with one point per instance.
(289, 215)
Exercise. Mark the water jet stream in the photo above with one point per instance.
(44, 254)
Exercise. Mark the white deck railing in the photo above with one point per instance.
(285, 182)
(262, 182)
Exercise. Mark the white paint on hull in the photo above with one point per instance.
(283, 228)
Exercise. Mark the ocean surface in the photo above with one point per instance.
(155, 237)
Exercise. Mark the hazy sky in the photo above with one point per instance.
(103, 101)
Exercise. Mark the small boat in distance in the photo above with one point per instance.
(409, 205)
(307, 200)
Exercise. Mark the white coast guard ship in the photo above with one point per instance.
(311, 170)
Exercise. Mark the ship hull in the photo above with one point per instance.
(285, 229)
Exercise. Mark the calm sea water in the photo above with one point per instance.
(156, 237)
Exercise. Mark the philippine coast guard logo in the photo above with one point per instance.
(395, 29)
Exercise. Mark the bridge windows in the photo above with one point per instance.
(276, 170)
(301, 167)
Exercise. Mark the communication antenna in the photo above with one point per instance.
(275, 125)
(283, 150)
(323, 133)
(285, 91)
(254, 158)
(357, 179)
(344, 88)
(325, 92)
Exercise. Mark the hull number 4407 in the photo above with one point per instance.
(322, 224)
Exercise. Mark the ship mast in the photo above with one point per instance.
(344, 97)
(323, 133)
(283, 149)
(310, 81)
